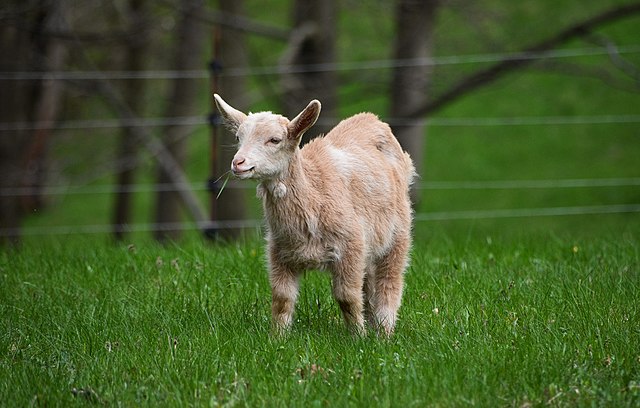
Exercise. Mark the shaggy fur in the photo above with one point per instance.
(340, 204)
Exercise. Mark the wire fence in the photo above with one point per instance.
(437, 122)
(67, 190)
(204, 74)
(62, 191)
(514, 185)
(60, 230)
(324, 67)
(455, 215)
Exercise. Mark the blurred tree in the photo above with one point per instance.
(232, 54)
(410, 101)
(312, 43)
(183, 97)
(136, 49)
(415, 22)
(26, 46)
(527, 56)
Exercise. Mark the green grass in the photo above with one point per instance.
(543, 319)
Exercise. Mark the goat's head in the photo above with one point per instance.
(266, 141)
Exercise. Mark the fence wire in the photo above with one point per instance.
(437, 122)
(256, 224)
(324, 67)
(65, 190)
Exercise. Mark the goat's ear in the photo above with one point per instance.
(304, 120)
(232, 117)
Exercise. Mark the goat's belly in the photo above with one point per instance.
(308, 255)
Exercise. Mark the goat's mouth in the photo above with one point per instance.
(243, 173)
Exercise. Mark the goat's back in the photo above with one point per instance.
(363, 144)
(363, 172)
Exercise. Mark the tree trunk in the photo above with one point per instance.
(232, 54)
(414, 37)
(188, 56)
(25, 47)
(134, 97)
(46, 106)
(312, 42)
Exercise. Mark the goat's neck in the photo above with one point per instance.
(293, 184)
(290, 202)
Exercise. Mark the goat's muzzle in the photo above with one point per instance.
(240, 168)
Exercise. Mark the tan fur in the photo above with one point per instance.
(340, 204)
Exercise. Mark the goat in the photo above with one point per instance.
(340, 204)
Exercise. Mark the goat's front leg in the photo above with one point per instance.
(284, 292)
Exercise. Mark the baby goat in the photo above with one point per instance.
(341, 204)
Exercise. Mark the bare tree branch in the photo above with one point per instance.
(624, 65)
(495, 71)
(603, 74)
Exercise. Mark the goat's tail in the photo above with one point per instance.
(409, 168)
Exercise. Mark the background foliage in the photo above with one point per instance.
(460, 146)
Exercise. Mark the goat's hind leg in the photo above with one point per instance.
(369, 290)
(389, 283)
(348, 279)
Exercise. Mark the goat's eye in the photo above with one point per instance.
(274, 140)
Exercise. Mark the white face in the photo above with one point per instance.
(263, 147)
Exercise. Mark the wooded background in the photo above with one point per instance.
(116, 96)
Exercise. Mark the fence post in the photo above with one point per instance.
(213, 184)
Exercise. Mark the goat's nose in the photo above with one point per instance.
(237, 161)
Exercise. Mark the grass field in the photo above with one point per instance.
(527, 321)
